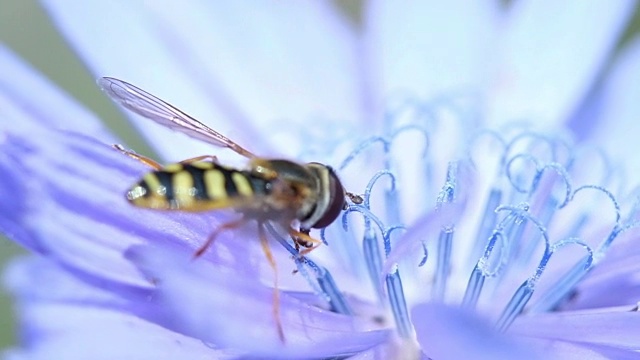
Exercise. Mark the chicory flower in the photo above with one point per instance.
(469, 243)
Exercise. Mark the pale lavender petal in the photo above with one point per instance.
(451, 333)
(295, 64)
(612, 327)
(430, 48)
(232, 310)
(618, 128)
(552, 54)
(235, 67)
(64, 318)
(25, 95)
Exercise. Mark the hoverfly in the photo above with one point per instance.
(269, 190)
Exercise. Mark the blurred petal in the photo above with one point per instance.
(191, 295)
(450, 333)
(614, 282)
(618, 128)
(59, 215)
(292, 62)
(430, 48)
(121, 39)
(560, 350)
(37, 278)
(295, 63)
(62, 316)
(620, 327)
(25, 95)
(553, 53)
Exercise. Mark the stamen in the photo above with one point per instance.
(387, 237)
(445, 240)
(566, 283)
(373, 260)
(371, 247)
(525, 291)
(535, 138)
(535, 167)
(370, 244)
(323, 280)
(391, 200)
(522, 296)
(398, 304)
(604, 246)
(474, 288)
(563, 287)
(337, 301)
(482, 270)
(394, 284)
(486, 225)
(362, 147)
(420, 129)
(426, 255)
(516, 180)
(443, 264)
(529, 247)
(564, 176)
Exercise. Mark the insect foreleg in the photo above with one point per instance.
(211, 158)
(302, 238)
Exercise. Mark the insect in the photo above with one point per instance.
(278, 191)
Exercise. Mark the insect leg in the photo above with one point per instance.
(212, 237)
(302, 238)
(212, 158)
(276, 293)
(143, 159)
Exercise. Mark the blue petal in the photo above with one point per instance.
(450, 333)
(63, 318)
(553, 52)
(559, 350)
(235, 311)
(617, 128)
(281, 62)
(613, 282)
(609, 327)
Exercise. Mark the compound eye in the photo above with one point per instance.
(335, 204)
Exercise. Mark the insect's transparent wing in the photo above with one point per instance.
(163, 113)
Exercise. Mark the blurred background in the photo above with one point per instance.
(24, 27)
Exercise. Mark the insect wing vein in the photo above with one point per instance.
(163, 113)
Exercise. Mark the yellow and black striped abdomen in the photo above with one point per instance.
(196, 186)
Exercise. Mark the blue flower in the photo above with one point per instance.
(516, 241)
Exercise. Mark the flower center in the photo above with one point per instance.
(507, 207)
